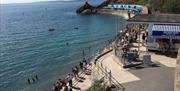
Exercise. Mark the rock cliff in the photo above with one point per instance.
(86, 9)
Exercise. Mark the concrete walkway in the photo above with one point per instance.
(120, 74)
(159, 78)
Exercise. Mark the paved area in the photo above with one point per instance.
(121, 75)
(141, 78)
(177, 74)
(144, 79)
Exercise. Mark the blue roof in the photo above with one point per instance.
(130, 8)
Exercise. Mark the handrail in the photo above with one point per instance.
(103, 70)
(119, 84)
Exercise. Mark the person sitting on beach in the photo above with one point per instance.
(61, 81)
(66, 88)
(59, 86)
(70, 89)
(54, 87)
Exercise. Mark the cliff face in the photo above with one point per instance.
(86, 9)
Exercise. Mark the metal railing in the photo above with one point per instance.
(107, 74)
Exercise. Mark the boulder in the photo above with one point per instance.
(86, 9)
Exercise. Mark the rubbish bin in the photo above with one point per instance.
(147, 59)
(130, 56)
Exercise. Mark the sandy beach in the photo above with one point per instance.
(122, 13)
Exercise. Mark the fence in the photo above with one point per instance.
(106, 73)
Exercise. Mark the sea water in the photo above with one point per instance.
(27, 47)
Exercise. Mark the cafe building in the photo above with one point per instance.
(163, 30)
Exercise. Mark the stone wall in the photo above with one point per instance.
(177, 73)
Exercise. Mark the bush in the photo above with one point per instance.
(97, 87)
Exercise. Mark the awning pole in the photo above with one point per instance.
(139, 39)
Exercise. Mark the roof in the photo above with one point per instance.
(165, 31)
(159, 18)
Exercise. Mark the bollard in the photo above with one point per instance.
(98, 69)
(110, 76)
(101, 65)
(106, 72)
(102, 69)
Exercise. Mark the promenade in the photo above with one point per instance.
(160, 76)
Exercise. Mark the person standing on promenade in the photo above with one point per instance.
(77, 71)
(74, 71)
(143, 39)
(81, 66)
(69, 79)
(84, 64)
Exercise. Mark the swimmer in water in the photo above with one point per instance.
(33, 80)
(36, 77)
(67, 44)
(29, 81)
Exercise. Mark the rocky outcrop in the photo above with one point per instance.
(86, 9)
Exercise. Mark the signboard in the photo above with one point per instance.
(165, 33)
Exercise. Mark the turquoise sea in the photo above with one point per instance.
(28, 48)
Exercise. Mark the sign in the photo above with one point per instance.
(165, 33)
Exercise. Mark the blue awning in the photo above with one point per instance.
(166, 31)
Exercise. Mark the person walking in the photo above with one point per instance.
(143, 38)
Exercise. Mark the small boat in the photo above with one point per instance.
(51, 29)
(76, 28)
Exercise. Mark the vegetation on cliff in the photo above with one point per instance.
(163, 6)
